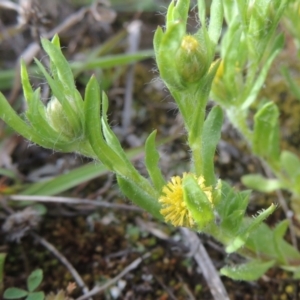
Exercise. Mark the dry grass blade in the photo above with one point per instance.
(130, 267)
(73, 201)
(64, 261)
(203, 260)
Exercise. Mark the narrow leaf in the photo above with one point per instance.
(106, 155)
(9, 116)
(210, 138)
(260, 183)
(249, 271)
(110, 137)
(293, 86)
(216, 21)
(151, 161)
(242, 237)
(197, 202)
(290, 163)
(158, 35)
(278, 236)
(182, 7)
(58, 91)
(27, 89)
(140, 197)
(265, 127)
(260, 79)
(110, 61)
(2, 260)
(64, 71)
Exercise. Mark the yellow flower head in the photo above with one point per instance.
(189, 44)
(174, 208)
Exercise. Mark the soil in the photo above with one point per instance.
(100, 242)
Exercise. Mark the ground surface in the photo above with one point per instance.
(101, 242)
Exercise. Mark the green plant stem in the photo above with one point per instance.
(194, 126)
(197, 157)
(238, 119)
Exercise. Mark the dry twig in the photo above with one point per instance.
(6, 4)
(64, 261)
(134, 31)
(203, 260)
(130, 267)
(72, 201)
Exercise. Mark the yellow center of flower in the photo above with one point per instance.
(190, 44)
(174, 208)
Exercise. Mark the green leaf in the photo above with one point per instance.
(140, 197)
(58, 90)
(262, 241)
(197, 202)
(115, 145)
(106, 155)
(216, 21)
(260, 183)
(34, 279)
(265, 129)
(279, 232)
(55, 41)
(230, 10)
(290, 163)
(182, 8)
(281, 228)
(63, 68)
(64, 182)
(242, 7)
(202, 12)
(170, 14)
(232, 207)
(263, 73)
(249, 271)
(296, 274)
(27, 89)
(158, 35)
(110, 137)
(242, 237)
(8, 173)
(10, 117)
(169, 45)
(110, 61)
(293, 86)
(36, 115)
(231, 210)
(151, 161)
(36, 296)
(14, 293)
(210, 138)
(297, 185)
(2, 260)
(73, 178)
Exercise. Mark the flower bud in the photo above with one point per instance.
(58, 119)
(191, 61)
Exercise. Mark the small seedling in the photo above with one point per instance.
(33, 281)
